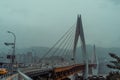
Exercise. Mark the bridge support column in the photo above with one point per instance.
(74, 77)
(80, 33)
(19, 77)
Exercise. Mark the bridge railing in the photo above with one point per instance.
(23, 76)
(3, 77)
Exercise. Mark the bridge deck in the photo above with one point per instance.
(57, 73)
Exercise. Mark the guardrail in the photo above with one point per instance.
(23, 76)
(3, 77)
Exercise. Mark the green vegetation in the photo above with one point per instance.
(114, 65)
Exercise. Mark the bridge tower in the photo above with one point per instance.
(80, 33)
(95, 61)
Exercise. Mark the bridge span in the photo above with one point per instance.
(63, 72)
(58, 73)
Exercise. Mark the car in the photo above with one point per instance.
(101, 78)
(3, 71)
(94, 77)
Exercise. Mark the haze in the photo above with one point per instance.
(43, 22)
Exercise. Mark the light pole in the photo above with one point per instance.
(11, 57)
(13, 54)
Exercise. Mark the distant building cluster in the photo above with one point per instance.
(26, 58)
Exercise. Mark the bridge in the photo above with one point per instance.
(65, 65)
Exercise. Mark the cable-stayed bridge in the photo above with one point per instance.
(60, 62)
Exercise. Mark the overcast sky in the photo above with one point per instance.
(43, 22)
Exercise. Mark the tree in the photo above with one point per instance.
(115, 64)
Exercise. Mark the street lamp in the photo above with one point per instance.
(11, 57)
(13, 54)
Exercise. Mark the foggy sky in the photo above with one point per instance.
(43, 22)
(115, 1)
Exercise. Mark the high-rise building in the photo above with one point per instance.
(29, 58)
